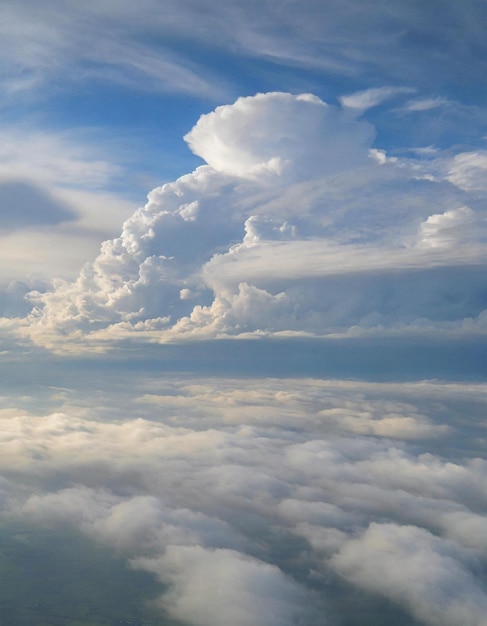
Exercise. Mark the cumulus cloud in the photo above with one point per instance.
(290, 228)
(249, 501)
(468, 171)
(412, 566)
(277, 133)
(248, 498)
(451, 228)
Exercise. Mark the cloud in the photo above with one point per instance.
(425, 104)
(98, 51)
(277, 133)
(55, 179)
(467, 171)
(449, 228)
(412, 566)
(24, 205)
(290, 228)
(244, 591)
(363, 100)
(248, 497)
(48, 158)
(73, 171)
(386, 40)
(304, 241)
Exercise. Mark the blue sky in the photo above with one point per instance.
(243, 309)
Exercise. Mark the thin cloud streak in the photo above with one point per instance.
(311, 36)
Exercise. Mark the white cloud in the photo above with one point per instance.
(451, 227)
(321, 245)
(280, 134)
(231, 490)
(48, 157)
(424, 104)
(52, 42)
(243, 590)
(412, 566)
(52, 190)
(383, 40)
(468, 171)
(363, 100)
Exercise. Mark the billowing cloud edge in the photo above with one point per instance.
(198, 480)
(295, 227)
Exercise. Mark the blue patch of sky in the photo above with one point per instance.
(141, 131)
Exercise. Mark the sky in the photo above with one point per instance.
(243, 313)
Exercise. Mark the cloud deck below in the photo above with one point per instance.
(255, 500)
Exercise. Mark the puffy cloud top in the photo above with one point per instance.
(277, 132)
(290, 228)
(247, 497)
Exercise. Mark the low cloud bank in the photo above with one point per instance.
(254, 501)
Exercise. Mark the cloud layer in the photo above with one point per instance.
(267, 501)
(345, 233)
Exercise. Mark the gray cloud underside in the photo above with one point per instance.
(203, 482)
(23, 205)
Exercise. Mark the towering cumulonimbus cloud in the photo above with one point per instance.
(296, 226)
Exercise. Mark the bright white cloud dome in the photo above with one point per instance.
(276, 133)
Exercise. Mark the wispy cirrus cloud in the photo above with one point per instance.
(56, 48)
(425, 104)
(111, 42)
(363, 100)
